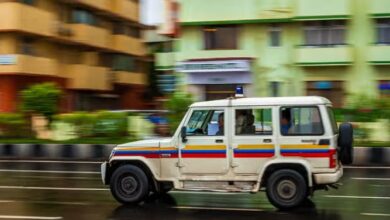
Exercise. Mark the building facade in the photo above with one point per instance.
(334, 48)
(92, 49)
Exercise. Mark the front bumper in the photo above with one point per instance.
(103, 172)
(328, 178)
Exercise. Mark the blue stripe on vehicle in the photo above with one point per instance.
(253, 151)
(304, 150)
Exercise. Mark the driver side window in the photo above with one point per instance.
(206, 123)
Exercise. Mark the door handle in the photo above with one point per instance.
(309, 141)
(267, 140)
(219, 141)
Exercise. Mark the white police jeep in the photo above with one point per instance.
(287, 146)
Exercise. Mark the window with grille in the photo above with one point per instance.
(325, 33)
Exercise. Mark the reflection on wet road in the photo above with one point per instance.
(46, 190)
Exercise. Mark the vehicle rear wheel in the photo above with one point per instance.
(129, 184)
(286, 189)
(345, 143)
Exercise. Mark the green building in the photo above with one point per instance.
(334, 48)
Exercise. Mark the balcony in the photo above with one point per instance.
(322, 10)
(165, 61)
(128, 45)
(96, 4)
(90, 35)
(379, 55)
(324, 56)
(88, 77)
(29, 65)
(380, 8)
(122, 77)
(126, 9)
(21, 17)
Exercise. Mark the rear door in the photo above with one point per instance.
(303, 134)
(252, 139)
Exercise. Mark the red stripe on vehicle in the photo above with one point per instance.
(252, 155)
(306, 154)
(210, 155)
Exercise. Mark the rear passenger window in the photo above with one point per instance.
(300, 121)
(253, 122)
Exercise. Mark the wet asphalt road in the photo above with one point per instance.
(56, 190)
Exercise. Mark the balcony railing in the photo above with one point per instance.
(379, 54)
(122, 77)
(90, 35)
(129, 45)
(165, 61)
(87, 77)
(17, 16)
(321, 56)
(30, 65)
(380, 8)
(126, 9)
(320, 10)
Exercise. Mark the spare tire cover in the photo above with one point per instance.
(345, 143)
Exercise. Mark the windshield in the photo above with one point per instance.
(332, 120)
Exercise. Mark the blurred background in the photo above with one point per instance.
(111, 71)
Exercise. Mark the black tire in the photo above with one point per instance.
(129, 184)
(345, 143)
(286, 189)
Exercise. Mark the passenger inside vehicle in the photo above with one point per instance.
(249, 126)
(285, 122)
(241, 121)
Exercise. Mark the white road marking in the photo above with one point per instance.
(218, 209)
(386, 186)
(48, 171)
(50, 161)
(357, 197)
(60, 177)
(375, 214)
(370, 178)
(29, 217)
(377, 167)
(53, 188)
(45, 202)
(7, 201)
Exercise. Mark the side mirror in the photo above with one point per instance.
(183, 134)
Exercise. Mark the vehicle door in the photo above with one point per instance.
(205, 149)
(252, 140)
(302, 134)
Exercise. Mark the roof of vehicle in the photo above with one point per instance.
(295, 100)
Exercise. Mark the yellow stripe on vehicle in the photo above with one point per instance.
(205, 147)
(256, 146)
(304, 146)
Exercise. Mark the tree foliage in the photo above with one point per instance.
(177, 106)
(41, 98)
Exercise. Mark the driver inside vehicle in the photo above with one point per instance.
(220, 124)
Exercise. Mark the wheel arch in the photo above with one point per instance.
(114, 164)
(301, 166)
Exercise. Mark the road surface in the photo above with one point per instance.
(73, 190)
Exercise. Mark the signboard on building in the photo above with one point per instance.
(213, 66)
(7, 59)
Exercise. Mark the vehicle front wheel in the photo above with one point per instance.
(129, 184)
(286, 189)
